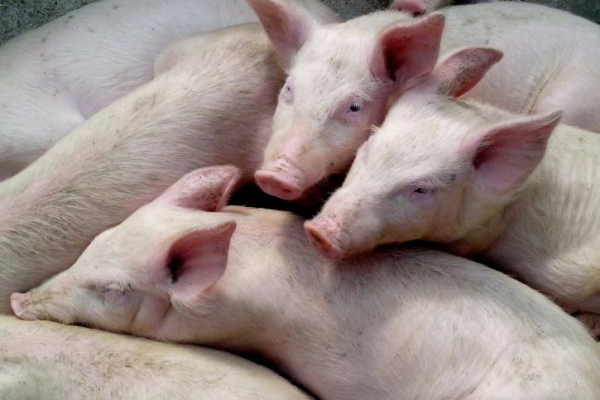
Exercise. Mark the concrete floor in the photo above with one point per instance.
(21, 15)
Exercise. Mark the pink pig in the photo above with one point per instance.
(198, 113)
(397, 324)
(342, 75)
(481, 181)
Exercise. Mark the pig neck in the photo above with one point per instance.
(552, 221)
(293, 304)
(125, 155)
(555, 222)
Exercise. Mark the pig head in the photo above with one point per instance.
(437, 170)
(337, 88)
(141, 276)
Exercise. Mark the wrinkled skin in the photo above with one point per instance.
(247, 280)
(480, 181)
(43, 360)
(341, 76)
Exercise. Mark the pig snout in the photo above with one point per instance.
(282, 179)
(19, 303)
(327, 236)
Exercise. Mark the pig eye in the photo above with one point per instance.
(114, 293)
(287, 93)
(355, 108)
(422, 196)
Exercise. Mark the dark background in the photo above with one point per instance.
(20, 15)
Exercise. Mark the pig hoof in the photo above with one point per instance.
(322, 243)
(274, 185)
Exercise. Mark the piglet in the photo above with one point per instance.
(47, 361)
(516, 190)
(213, 108)
(341, 76)
(54, 78)
(397, 324)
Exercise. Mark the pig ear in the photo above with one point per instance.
(196, 261)
(287, 25)
(462, 70)
(407, 51)
(415, 7)
(206, 189)
(506, 154)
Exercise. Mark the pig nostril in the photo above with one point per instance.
(275, 186)
(320, 241)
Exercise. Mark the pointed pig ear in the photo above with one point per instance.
(206, 189)
(458, 73)
(407, 51)
(416, 7)
(505, 155)
(196, 261)
(287, 25)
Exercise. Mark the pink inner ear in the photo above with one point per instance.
(204, 189)
(462, 71)
(409, 51)
(198, 260)
(508, 153)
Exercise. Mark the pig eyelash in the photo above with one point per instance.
(422, 190)
(112, 287)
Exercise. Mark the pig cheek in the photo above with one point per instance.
(406, 221)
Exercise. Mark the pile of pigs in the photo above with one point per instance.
(465, 135)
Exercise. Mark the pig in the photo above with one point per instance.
(54, 78)
(520, 192)
(47, 361)
(341, 76)
(215, 107)
(401, 323)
